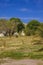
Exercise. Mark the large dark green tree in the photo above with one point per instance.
(32, 27)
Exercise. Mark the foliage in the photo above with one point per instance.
(41, 30)
(20, 27)
(9, 27)
(32, 27)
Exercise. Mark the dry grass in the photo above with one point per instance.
(22, 44)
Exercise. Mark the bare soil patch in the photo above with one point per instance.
(8, 61)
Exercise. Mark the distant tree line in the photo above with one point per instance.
(13, 25)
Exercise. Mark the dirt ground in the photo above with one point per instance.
(8, 61)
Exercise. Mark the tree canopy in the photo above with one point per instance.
(32, 27)
(16, 25)
(12, 25)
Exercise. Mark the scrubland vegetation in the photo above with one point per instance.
(9, 27)
(29, 46)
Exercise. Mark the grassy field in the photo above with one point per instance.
(22, 47)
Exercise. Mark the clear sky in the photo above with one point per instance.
(26, 10)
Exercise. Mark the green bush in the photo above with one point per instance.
(31, 27)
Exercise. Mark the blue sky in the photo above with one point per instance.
(26, 10)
